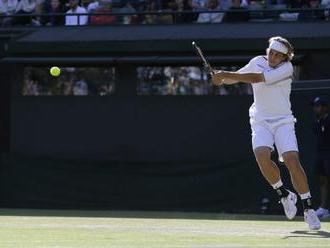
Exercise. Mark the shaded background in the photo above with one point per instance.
(142, 152)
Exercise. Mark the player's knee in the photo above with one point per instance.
(262, 155)
(291, 160)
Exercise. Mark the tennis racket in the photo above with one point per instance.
(206, 64)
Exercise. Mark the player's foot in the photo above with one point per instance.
(322, 212)
(289, 205)
(311, 219)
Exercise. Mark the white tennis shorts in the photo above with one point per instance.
(283, 136)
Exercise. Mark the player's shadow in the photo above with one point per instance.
(309, 234)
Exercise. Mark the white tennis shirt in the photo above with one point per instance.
(272, 97)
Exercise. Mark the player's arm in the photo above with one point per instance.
(226, 77)
(225, 81)
(248, 68)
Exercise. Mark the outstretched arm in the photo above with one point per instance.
(225, 77)
(224, 81)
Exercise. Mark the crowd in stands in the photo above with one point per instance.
(100, 81)
(189, 80)
(184, 81)
(72, 81)
(104, 12)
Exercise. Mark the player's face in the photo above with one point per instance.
(275, 58)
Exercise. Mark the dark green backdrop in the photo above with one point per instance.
(129, 152)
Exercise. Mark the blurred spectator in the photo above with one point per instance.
(297, 4)
(322, 165)
(106, 89)
(185, 5)
(67, 85)
(159, 6)
(139, 5)
(127, 7)
(90, 5)
(72, 81)
(30, 87)
(73, 20)
(54, 7)
(236, 13)
(293, 4)
(182, 81)
(225, 4)
(7, 7)
(199, 4)
(24, 7)
(313, 4)
(105, 10)
(154, 5)
(80, 88)
(212, 5)
(313, 13)
(39, 10)
(326, 3)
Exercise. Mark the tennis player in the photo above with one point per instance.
(272, 123)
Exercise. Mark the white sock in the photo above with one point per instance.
(305, 196)
(277, 185)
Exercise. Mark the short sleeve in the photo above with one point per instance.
(250, 67)
(281, 73)
(245, 69)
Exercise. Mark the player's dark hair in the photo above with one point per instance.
(287, 44)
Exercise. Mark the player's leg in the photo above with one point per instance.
(297, 173)
(286, 143)
(299, 180)
(262, 143)
(268, 168)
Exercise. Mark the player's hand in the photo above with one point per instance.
(217, 78)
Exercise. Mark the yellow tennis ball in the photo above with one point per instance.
(55, 71)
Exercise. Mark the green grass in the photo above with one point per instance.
(96, 229)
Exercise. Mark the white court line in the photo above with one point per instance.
(229, 246)
(189, 230)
